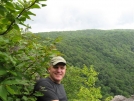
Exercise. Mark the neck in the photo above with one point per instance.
(58, 82)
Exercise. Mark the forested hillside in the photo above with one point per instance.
(111, 52)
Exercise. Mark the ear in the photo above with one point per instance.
(48, 70)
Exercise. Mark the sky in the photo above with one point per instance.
(67, 15)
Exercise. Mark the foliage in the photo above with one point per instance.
(23, 57)
(80, 84)
(15, 12)
(110, 51)
(109, 98)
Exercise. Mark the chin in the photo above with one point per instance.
(58, 79)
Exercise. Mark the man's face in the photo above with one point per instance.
(57, 72)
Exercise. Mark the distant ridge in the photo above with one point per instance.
(110, 51)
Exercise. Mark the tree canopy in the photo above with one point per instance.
(24, 57)
(111, 52)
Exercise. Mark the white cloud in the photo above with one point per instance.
(83, 14)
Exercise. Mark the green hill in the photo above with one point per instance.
(110, 51)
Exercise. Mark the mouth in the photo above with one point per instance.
(58, 74)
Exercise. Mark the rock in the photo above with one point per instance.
(119, 98)
(122, 98)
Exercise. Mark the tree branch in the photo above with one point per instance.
(12, 23)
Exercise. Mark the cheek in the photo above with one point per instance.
(64, 71)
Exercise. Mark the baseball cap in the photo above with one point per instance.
(57, 59)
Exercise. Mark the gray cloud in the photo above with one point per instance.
(83, 14)
(126, 18)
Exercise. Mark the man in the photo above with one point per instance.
(53, 89)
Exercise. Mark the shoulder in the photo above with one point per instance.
(43, 82)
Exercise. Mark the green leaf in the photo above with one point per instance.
(22, 18)
(10, 6)
(30, 13)
(20, 1)
(13, 73)
(3, 93)
(19, 7)
(10, 90)
(16, 27)
(43, 5)
(17, 99)
(2, 10)
(24, 98)
(38, 93)
(4, 20)
(35, 6)
(3, 72)
(26, 15)
(23, 24)
(17, 21)
(12, 82)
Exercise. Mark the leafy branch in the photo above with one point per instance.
(25, 9)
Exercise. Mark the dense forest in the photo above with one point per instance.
(111, 52)
(24, 58)
(100, 62)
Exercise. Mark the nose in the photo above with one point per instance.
(59, 69)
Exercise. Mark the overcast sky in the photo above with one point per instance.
(64, 15)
